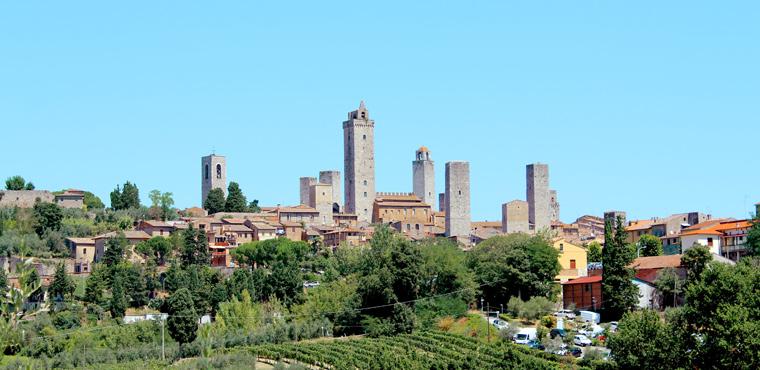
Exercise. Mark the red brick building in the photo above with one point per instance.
(585, 293)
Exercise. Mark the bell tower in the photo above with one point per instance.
(213, 175)
(423, 176)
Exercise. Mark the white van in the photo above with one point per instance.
(525, 336)
(590, 316)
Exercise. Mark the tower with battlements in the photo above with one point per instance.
(423, 177)
(213, 175)
(359, 160)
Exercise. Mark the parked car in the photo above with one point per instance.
(565, 313)
(575, 352)
(536, 345)
(581, 340)
(592, 331)
(500, 324)
(557, 332)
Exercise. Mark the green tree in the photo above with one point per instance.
(444, 270)
(253, 207)
(118, 304)
(594, 252)
(644, 341)
(130, 196)
(157, 247)
(214, 201)
(29, 186)
(619, 292)
(195, 248)
(183, 320)
(390, 275)
(3, 283)
(695, 260)
(15, 183)
(753, 237)
(650, 246)
(236, 201)
(163, 202)
(114, 249)
(669, 287)
(117, 202)
(62, 285)
(93, 291)
(722, 316)
(514, 265)
(92, 202)
(47, 217)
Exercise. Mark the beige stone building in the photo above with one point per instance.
(155, 228)
(301, 213)
(350, 236)
(83, 252)
(133, 237)
(405, 207)
(321, 198)
(514, 217)
(70, 198)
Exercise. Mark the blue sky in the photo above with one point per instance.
(649, 107)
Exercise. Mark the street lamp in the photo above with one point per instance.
(481, 304)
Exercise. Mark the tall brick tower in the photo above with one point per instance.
(423, 175)
(539, 202)
(458, 199)
(359, 159)
(213, 175)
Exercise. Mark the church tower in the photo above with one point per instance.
(423, 175)
(359, 160)
(213, 175)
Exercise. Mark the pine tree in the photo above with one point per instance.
(183, 320)
(619, 293)
(116, 201)
(62, 285)
(215, 202)
(236, 201)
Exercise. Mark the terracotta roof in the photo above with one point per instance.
(584, 280)
(708, 231)
(237, 228)
(731, 225)
(81, 240)
(233, 221)
(290, 224)
(706, 224)
(656, 262)
(262, 226)
(486, 224)
(423, 149)
(156, 223)
(298, 209)
(129, 234)
(640, 225)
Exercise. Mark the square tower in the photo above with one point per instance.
(514, 217)
(539, 204)
(359, 160)
(320, 198)
(213, 175)
(332, 178)
(458, 199)
(423, 176)
(305, 184)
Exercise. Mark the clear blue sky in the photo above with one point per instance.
(650, 107)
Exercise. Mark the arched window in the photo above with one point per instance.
(218, 171)
(206, 173)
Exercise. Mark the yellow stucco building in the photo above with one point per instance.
(572, 258)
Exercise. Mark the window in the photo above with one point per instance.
(460, 192)
(587, 287)
(365, 194)
(365, 182)
(364, 136)
(205, 172)
(218, 171)
(709, 242)
(572, 264)
(561, 247)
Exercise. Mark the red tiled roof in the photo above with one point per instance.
(584, 280)
(656, 262)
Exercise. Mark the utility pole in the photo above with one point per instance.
(163, 352)
(488, 315)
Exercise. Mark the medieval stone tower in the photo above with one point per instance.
(539, 203)
(359, 159)
(213, 175)
(332, 178)
(423, 175)
(458, 199)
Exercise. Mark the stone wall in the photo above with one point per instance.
(554, 205)
(514, 217)
(458, 199)
(24, 198)
(305, 189)
(332, 178)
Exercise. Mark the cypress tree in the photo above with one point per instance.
(619, 294)
(62, 285)
(183, 320)
(214, 201)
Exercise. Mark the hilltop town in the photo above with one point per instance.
(350, 260)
